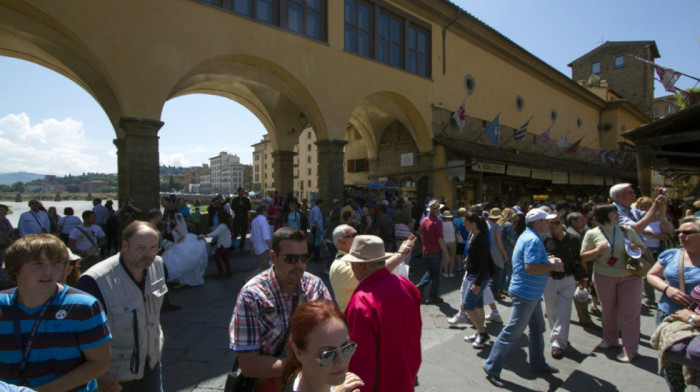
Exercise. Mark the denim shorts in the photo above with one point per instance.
(472, 301)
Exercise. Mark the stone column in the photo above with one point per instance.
(121, 171)
(330, 170)
(283, 165)
(138, 162)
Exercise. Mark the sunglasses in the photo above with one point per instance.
(293, 259)
(556, 222)
(687, 232)
(328, 357)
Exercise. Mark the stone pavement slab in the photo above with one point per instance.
(196, 355)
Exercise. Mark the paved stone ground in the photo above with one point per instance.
(196, 355)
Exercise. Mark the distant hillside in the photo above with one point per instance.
(11, 178)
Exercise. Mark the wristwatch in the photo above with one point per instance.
(691, 320)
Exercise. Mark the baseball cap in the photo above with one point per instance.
(538, 214)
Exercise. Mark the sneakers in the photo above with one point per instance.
(480, 341)
(494, 317)
(470, 339)
(459, 318)
(445, 275)
(435, 300)
(605, 346)
(624, 358)
(557, 353)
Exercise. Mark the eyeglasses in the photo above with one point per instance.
(556, 222)
(687, 232)
(328, 357)
(353, 235)
(293, 259)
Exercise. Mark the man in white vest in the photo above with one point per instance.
(131, 286)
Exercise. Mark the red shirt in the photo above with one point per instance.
(385, 322)
(430, 232)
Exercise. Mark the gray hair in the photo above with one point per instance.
(691, 219)
(617, 189)
(338, 232)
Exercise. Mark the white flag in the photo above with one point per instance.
(563, 142)
(460, 116)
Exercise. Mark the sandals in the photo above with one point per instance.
(595, 312)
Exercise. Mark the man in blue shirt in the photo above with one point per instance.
(531, 268)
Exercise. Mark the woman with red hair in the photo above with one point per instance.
(319, 350)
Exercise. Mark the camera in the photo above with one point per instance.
(661, 191)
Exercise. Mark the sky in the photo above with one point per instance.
(49, 125)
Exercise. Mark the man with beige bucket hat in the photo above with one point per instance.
(383, 304)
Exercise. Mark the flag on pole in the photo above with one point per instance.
(493, 131)
(572, 149)
(604, 156)
(612, 156)
(544, 137)
(519, 134)
(596, 152)
(667, 76)
(582, 152)
(460, 116)
(563, 142)
(687, 95)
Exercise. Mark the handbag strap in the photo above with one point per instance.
(681, 264)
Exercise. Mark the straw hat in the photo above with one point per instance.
(434, 205)
(366, 249)
(495, 214)
(447, 215)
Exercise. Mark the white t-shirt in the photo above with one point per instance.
(448, 231)
(81, 240)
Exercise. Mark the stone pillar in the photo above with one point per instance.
(644, 162)
(138, 163)
(121, 171)
(283, 164)
(330, 170)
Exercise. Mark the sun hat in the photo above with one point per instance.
(518, 210)
(434, 205)
(366, 249)
(536, 214)
(447, 214)
(494, 214)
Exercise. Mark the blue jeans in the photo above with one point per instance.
(499, 280)
(433, 263)
(525, 312)
(471, 301)
(332, 252)
(152, 381)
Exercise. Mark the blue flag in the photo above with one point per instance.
(493, 131)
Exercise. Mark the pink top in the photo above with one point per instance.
(385, 322)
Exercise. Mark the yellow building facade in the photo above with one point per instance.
(392, 72)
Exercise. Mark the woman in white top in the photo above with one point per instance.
(448, 234)
(222, 232)
(319, 350)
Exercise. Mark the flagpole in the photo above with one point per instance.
(586, 147)
(658, 65)
(553, 144)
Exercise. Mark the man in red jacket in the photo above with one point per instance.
(384, 320)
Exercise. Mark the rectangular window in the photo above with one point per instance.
(399, 41)
(305, 17)
(619, 62)
(656, 112)
(308, 159)
(595, 68)
(309, 183)
(308, 147)
(669, 109)
(309, 135)
(309, 171)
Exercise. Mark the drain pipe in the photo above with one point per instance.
(444, 35)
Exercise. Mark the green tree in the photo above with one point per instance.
(18, 186)
(73, 188)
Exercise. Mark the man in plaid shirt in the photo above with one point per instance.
(264, 308)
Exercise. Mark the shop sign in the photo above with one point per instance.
(489, 167)
(576, 178)
(518, 171)
(541, 174)
(456, 169)
(382, 179)
(540, 197)
(560, 177)
(407, 159)
(590, 179)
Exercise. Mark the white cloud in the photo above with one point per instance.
(49, 147)
(176, 159)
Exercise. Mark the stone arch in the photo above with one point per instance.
(375, 112)
(276, 97)
(31, 35)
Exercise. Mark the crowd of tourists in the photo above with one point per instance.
(85, 312)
